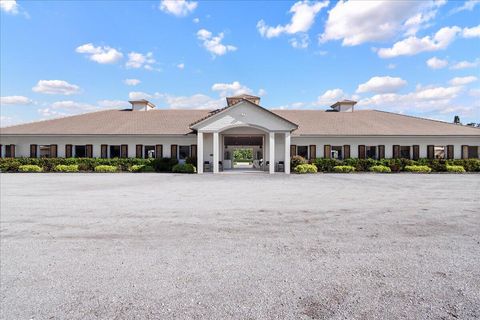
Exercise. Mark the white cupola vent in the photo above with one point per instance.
(343, 106)
(142, 105)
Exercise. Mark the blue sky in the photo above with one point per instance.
(61, 58)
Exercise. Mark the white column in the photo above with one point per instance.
(199, 152)
(271, 150)
(287, 152)
(215, 152)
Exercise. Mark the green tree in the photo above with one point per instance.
(243, 154)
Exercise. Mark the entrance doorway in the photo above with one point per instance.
(243, 152)
(243, 158)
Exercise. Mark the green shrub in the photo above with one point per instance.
(191, 160)
(141, 168)
(66, 168)
(380, 169)
(297, 160)
(184, 168)
(326, 165)
(9, 165)
(419, 169)
(148, 169)
(470, 165)
(164, 164)
(437, 165)
(343, 169)
(105, 168)
(305, 168)
(136, 168)
(457, 169)
(29, 168)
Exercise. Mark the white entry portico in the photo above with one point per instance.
(244, 118)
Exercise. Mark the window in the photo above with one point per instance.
(337, 152)
(371, 152)
(472, 152)
(9, 151)
(405, 152)
(183, 152)
(44, 151)
(149, 152)
(439, 152)
(114, 151)
(302, 151)
(80, 151)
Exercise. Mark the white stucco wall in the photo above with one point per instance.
(354, 142)
(22, 143)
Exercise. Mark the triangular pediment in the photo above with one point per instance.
(244, 113)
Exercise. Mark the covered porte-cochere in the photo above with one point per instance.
(243, 123)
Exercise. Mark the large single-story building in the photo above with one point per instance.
(212, 135)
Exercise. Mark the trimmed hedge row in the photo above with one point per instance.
(395, 165)
(88, 164)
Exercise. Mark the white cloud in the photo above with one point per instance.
(100, 54)
(262, 92)
(473, 32)
(181, 66)
(56, 87)
(230, 89)
(196, 101)
(474, 92)
(179, 8)
(329, 97)
(15, 100)
(9, 6)
(423, 99)
(421, 20)
(436, 63)
(391, 66)
(131, 82)
(460, 81)
(138, 60)
(69, 107)
(196, 20)
(357, 22)
(138, 95)
(213, 44)
(111, 104)
(413, 45)
(304, 13)
(6, 121)
(465, 64)
(382, 85)
(468, 5)
(73, 106)
(66, 108)
(300, 42)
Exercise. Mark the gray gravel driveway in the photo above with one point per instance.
(161, 246)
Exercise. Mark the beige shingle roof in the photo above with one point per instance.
(174, 122)
(369, 122)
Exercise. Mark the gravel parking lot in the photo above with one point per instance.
(160, 246)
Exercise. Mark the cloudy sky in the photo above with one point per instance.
(64, 57)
